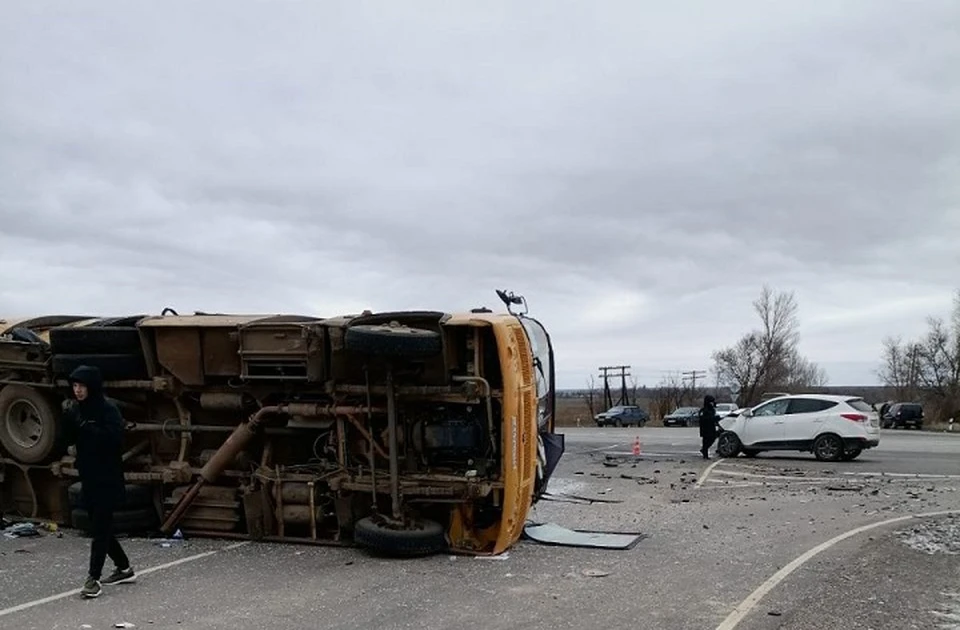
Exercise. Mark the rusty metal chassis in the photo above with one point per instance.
(415, 488)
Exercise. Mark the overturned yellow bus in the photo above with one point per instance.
(404, 432)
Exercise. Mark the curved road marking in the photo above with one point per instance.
(76, 591)
(747, 605)
(706, 473)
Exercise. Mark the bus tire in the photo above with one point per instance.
(424, 538)
(393, 340)
(28, 424)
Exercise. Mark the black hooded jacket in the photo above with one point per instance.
(95, 425)
(708, 417)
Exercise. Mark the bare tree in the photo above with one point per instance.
(668, 396)
(802, 373)
(591, 396)
(768, 358)
(901, 367)
(929, 367)
(634, 386)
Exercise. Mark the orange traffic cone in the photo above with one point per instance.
(636, 445)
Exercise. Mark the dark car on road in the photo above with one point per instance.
(901, 415)
(622, 416)
(683, 417)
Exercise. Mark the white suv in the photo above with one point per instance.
(831, 427)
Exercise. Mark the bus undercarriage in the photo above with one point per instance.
(407, 433)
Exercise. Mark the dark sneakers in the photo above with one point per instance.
(91, 588)
(125, 576)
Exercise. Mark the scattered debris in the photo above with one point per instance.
(19, 530)
(595, 573)
(933, 537)
(501, 557)
(575, 498)
(553, 534)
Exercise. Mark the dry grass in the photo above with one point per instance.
(568, 409)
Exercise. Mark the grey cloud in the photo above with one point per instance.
(638, 170)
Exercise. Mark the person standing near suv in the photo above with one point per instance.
(95, 425)
(709, 424)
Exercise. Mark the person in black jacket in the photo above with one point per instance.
(709, 424)
(94, 424)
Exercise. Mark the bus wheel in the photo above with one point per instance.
(28, 424)
(393, 340)
(420, 538)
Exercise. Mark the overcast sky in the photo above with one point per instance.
(636, 170)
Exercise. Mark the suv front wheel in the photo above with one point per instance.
(728, 444)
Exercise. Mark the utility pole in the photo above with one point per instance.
(693, 375)
(624, 394)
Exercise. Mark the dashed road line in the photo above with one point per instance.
(903, 475)
(733, 473)
(160, 567)
(706, 473)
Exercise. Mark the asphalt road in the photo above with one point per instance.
(715, 531)
(900, 451)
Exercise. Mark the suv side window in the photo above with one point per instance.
(809, 405)
(774, 408)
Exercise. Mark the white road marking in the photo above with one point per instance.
(904, 475)
(706, 473)
(602, 448)
(716, 483)
(746, 606)
(733, 473)
(76, 591)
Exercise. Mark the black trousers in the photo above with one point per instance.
(707, 441)
(104, 543)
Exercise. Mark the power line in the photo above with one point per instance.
(693, 375)
(624, 394)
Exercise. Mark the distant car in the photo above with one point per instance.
(903, 415)
(682, 417)
(725, 409)
(622, 416)
(831, 427)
